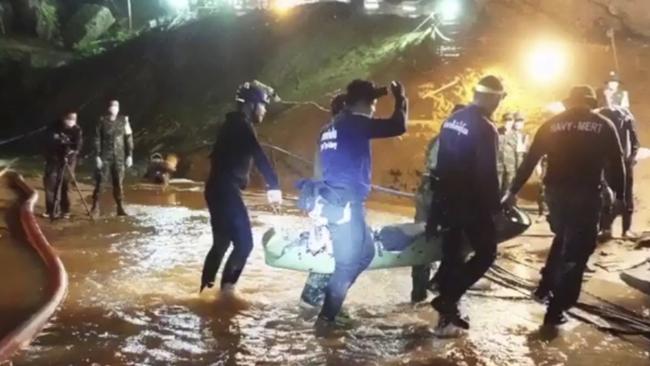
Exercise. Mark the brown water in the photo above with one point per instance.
(133, 301)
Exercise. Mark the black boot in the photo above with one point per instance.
(120, 209)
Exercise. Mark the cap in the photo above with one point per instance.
(364, 90)
(490, 85)
(338, 103)
(582, 94)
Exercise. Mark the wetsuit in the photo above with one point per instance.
(62, 143)
(625, 125)
(579, 144)
(234, 151)
(469, 196)
(346, 166)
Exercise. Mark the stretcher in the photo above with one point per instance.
(402, 245)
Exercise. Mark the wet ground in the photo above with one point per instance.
(133, 300)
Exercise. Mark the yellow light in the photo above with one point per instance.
(556, 107)
(283, 6)
(547, 62)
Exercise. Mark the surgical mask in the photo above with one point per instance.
(69, 122)
(509, 124)
(519, 126)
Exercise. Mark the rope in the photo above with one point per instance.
(628, 322)
(20, 137)
(375, 187)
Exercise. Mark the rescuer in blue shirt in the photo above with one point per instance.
(234, 150)
(469, 196)
(345, 159)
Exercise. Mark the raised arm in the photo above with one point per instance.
(396, 124)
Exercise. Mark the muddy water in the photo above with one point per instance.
(22, 275)
(133, 301)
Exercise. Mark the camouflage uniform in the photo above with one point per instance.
(513, 146)
(113, 144)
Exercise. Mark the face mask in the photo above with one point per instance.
(509, 125)
(68, 122)
(519, 126)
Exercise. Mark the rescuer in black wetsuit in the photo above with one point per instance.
(234, 150)
(579, 143)
(626, 127)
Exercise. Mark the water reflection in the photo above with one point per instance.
(134, 300)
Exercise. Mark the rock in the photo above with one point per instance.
(47, 20)
(88, 24)
(37, 17)
(6, 17)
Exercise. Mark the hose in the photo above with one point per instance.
(627, 322)
(57, 276)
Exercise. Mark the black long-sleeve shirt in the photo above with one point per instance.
(467, 158)
(625, 125)
(345, 153)
(61, 140)
(233, 152)
(579, 144)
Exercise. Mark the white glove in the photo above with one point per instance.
(508, 199)
(274, 196)
(99, 163)
(129, 161)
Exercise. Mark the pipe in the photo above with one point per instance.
(57, 275)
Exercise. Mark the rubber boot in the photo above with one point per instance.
(94, 211)
(120, 209)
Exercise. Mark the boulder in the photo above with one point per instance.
(6, 17)
(37, 17)
(87, 24)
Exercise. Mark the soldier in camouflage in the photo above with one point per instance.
(513, 147)
(113, 152)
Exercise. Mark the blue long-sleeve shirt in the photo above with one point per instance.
(345, 154)
(467, 159)
(234, 151)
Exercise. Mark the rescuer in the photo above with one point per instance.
(313, 293)
(579, 144)
(469, 197)
(113, 153)
(626, 127)
(346, 167)
(235, 148)
(62, 146)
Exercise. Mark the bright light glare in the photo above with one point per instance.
(178, 5)
(409, 8)
(449, 9)
(556, 107)
(283, 6)
(371, 5)
(547, 62)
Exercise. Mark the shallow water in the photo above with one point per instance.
(134, 300)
